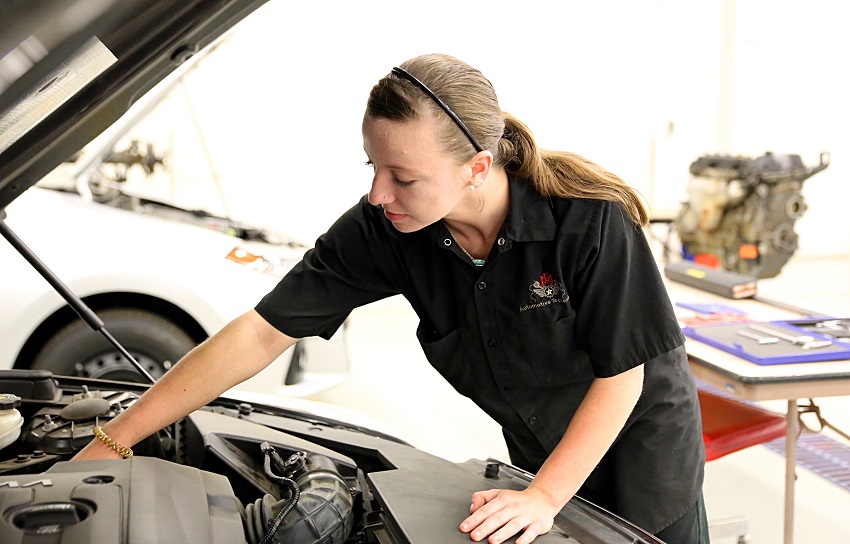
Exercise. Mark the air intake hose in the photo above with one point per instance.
(317, 509)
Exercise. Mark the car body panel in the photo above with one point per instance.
(97, 249)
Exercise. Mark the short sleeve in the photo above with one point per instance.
(624, 314)
(351, 265)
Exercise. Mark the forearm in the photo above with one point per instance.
(599, 418)
(241, 349)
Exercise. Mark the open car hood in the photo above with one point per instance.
(69, 69)
(209, 479)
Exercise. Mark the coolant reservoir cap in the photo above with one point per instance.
(9, 401)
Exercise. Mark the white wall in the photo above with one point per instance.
(792, 95)
(641, 87)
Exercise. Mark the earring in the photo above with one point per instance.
(471, 186)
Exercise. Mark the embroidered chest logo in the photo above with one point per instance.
(545, 291)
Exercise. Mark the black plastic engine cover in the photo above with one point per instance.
(90, 501)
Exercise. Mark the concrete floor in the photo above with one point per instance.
(392, 383)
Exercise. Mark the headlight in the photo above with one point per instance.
(276, 266)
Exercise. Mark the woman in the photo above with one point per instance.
(538, 299)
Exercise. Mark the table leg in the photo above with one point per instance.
(790, 468)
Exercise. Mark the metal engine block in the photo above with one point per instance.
(741, 210)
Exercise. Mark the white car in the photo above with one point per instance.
(161, 278)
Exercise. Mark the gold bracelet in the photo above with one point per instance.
(103, 437)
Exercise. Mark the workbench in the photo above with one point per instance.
(753, 382)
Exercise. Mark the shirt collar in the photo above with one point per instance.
(530, 216)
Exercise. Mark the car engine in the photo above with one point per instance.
(234, 472)
(304, 498)
(741, 211)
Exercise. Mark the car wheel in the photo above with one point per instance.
(76, 350)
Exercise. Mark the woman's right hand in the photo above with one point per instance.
(238, 351)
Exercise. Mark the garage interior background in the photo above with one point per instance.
(643, 88)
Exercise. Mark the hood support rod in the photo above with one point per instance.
(75, 302)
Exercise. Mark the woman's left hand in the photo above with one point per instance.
(502, 513)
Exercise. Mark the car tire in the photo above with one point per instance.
(152, 340)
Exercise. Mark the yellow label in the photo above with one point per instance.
(695, 273)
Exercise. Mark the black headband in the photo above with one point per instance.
(399, 72)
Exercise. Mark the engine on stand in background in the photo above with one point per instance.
(741, 211)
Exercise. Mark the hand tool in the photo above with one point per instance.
(799, 339)
(759, 338)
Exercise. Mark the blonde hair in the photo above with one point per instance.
(472, 98)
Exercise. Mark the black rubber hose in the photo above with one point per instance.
(319, 511)
(269, 453)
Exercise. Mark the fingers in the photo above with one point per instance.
(491, 525)
(530, 534)
(492, 515)
(481, 508)
(502, 527)
(481, 498)
(501, 514)
(506, 529)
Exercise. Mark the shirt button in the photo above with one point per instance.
(532, 420)
(491, 342)
(482, 285)
(500, 241)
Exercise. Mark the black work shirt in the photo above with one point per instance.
(569, 292)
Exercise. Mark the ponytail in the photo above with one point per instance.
(563, 174)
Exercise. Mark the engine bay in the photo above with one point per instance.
(211, 477)
(234, 472)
